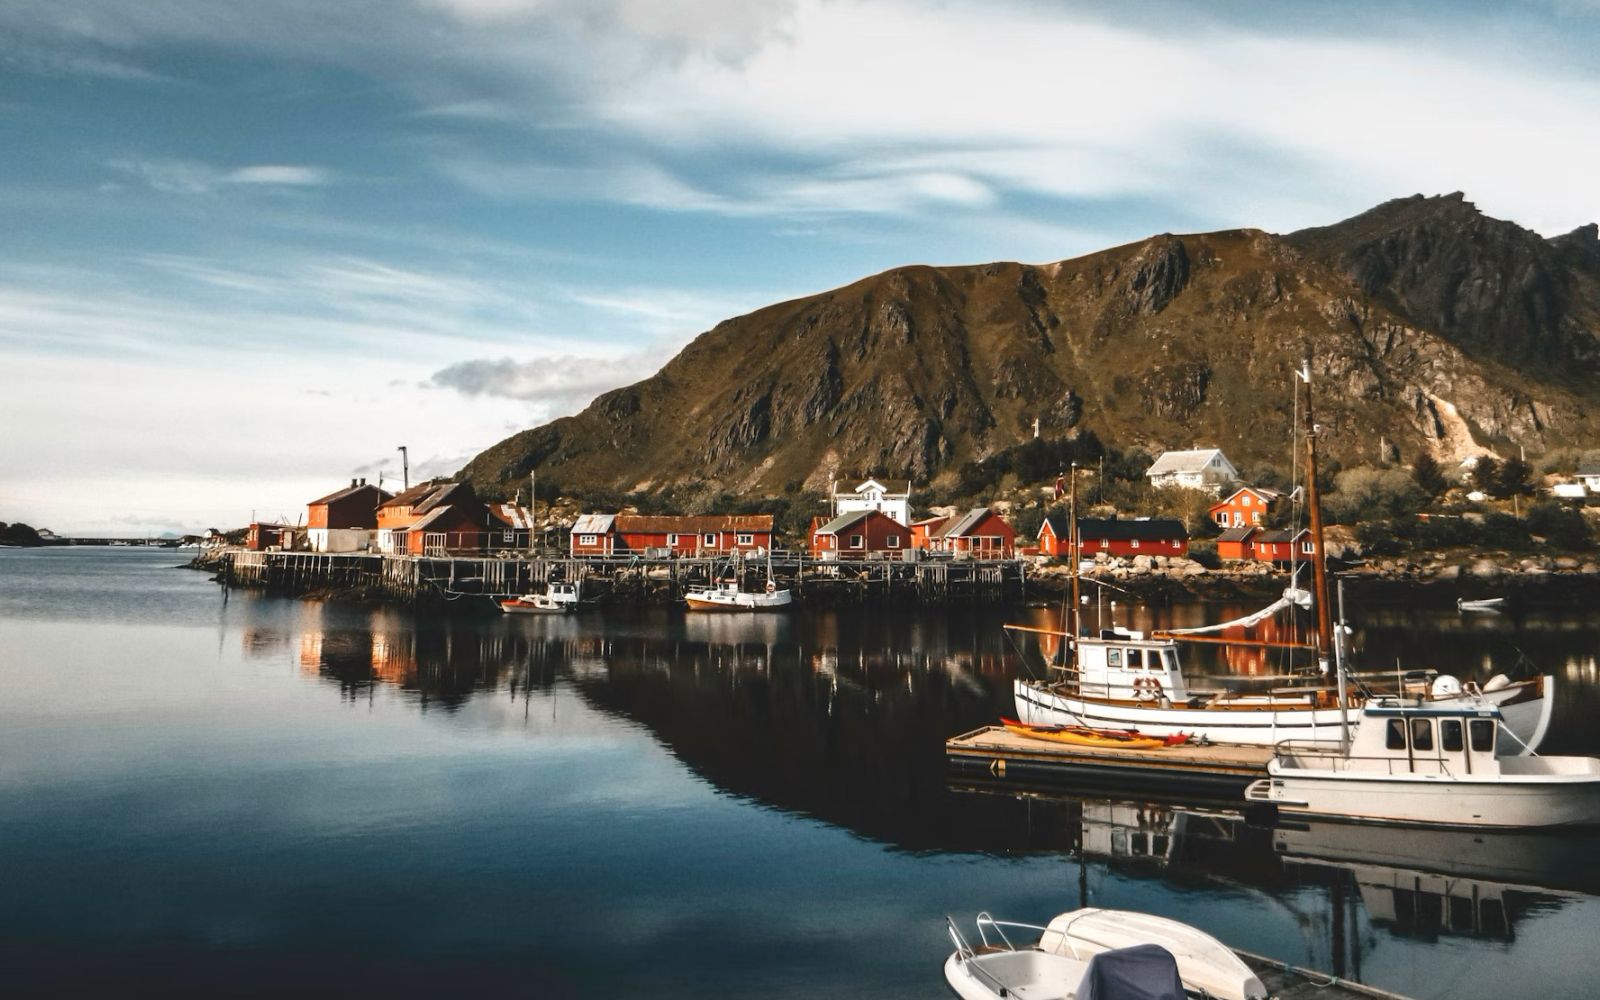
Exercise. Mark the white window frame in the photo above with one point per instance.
(858, 541)
(746, 538)
(893, 542)
(672, 539)
(588, 540)
(1133, 543)
(710, 538)
(1308, 547)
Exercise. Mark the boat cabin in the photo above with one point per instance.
(1120, 663)
(1393, 738)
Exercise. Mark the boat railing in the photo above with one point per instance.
(965, 951)
(1333, 756)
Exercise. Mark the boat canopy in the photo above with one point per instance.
(1144, 971)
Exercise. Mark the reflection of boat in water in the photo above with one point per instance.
(1487, 604)
(1431, 766)
(1079, 953)
(1519, 859)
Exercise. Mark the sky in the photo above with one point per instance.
(250, 247)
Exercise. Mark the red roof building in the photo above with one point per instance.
(1237, 543)
(1283, 546)
(665, 534)
(980, 533)
(1145, 536)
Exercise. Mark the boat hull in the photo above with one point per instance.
(1526, 718)
(1433, 800)
(524, 608)
(739, 602)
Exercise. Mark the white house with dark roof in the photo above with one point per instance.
(1589, 476)
(1197, 469)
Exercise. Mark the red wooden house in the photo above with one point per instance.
(354, 506)
(1283, 546)
(924, 532)
(1055, 536)
(1145, 536)
(862, 534)
(433, 519)
(980, 533)
(1237, 543)
(1245, 506)
(664, 534)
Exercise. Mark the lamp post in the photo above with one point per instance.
(405, 468)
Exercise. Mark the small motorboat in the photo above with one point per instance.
(725, 596)
(1430, 766)
(1124, 739)
(1081, 951)
(1486, 604)
(537, 604)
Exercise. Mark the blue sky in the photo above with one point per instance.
(250, 246)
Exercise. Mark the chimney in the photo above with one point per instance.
(352, 484)
(363, 480)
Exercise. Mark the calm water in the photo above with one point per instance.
(250, 795)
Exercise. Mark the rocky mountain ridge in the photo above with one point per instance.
(1430, 327)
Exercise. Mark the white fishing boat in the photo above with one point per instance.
(1165, 956)
(1486, 604)
(1431, 766)
(1121, 679)
(726, 596)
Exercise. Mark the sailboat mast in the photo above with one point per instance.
(1072, 553)
(1319, 571)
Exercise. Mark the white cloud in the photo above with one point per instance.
(192, 177)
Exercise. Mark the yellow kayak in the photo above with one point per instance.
(1083, 736)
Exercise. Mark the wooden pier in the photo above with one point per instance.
(450, 578)
(1215, 770)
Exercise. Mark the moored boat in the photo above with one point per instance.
(1485, 604)
(1430, 766)
(728, 597)
(1063, 957)
(536, 604)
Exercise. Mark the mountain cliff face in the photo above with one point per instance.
(1429, 326)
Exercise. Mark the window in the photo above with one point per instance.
(672, 539)
(746, 539)
(1395, 735)
(856, 541)
(587, 540)
(711, 538)
(1422, 734)
(1114, 658)
(1450, 735)
(1244, 501)
(1255, 517)
(1134, 543)
(1222, 519)
(893, 542)
(1135, 659)
(1308, 548)
(1482, 732)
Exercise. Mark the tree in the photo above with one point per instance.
(1425, 472)
(1486, 474)
(1514, 478)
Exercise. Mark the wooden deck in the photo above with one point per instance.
(1220, 770)
(1288, 982)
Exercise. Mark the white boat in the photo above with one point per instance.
(728, 597)
(1431, 766)
(1127, 680)
(557, 599)
(1056, 963)
(1121, 679)
(1486, 604)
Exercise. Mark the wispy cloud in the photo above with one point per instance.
(192, 177)
(556, 385)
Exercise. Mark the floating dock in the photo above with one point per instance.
(1215, 770)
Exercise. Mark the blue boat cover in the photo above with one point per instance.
(1143, 972)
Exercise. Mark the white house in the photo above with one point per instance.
(1198, 469)
(1589, 476)
(873, 495)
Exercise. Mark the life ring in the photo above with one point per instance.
(1144, 688)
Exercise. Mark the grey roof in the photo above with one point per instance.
(444, 495)
(957, 527)
(1173, 462)
(844, 521)
(437, 513)
(593, 524)
(1589, 469)
(1282, 535)
(340, 494)
(1238, 534)
(1155, 529)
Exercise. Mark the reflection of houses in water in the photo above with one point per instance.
(1252, 661)
(1413, 904)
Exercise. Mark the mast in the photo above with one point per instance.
(1319, 571)
(1072, 553)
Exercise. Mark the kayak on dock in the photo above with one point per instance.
(1126, 739)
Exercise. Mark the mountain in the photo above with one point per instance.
(1430, 327)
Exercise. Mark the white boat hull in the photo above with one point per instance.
(1434, 800)
(740, 601)
(1527, 720)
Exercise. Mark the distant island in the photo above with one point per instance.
(20, 534)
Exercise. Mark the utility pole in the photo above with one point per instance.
(405, 468)
(533, 506)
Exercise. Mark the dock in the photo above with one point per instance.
(1214, 770)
